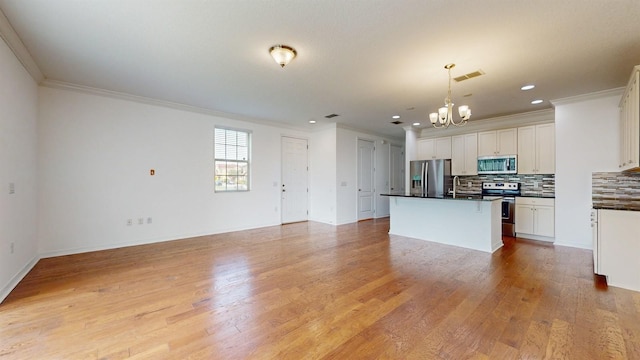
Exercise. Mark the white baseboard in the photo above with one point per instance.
(84, 249)
(17, 278)
(574, 245)
(536, 237)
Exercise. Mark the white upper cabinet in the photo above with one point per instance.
(630, 124)
(438, 148)
(498, 142)
(536, 149)
(464, 154)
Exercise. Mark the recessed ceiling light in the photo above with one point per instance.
(416, 124)
(312, 121)
(536, 102)
(527, 87)
(395, 117)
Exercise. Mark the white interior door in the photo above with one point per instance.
(396, 181)
(294, 189)
(366, 190)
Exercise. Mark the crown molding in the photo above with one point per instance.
(11, 38)
(589, 96)
(55, 84)
(496, 123)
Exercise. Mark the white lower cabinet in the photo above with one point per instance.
(617, 247)
(535, 218)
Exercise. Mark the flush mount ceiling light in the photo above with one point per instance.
(536, 102)
(527, 87)
(444, 117)
(282, 54)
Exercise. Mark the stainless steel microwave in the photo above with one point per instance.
(501, 164)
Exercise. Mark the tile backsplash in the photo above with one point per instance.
(611, 190)
(531, 185)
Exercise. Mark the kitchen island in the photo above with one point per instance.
(471, 223)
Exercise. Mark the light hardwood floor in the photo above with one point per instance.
(314, 291)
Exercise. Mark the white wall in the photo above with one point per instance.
(346, 176)
(94, 159)
(411, 153)
(586, 142)
(383, 177)
(322, 174)
(18, 164)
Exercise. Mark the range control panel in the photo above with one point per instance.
(500, 186)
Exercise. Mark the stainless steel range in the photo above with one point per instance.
(508, 192)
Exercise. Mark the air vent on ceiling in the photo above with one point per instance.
(397, 122)
(469, 76)
(331, 116)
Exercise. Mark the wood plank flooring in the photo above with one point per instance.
(315, 291)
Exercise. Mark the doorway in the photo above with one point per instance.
(366, 179)
(396, 168)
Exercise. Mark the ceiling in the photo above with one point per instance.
(364, 60)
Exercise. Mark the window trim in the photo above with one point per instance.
(248, 161)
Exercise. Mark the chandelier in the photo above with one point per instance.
(444, 117)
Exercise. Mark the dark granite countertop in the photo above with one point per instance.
(625, 207)
(458, 197)
(470, 196)
(543, 196)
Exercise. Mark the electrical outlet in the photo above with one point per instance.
(129, 222)
(469, 184)
(535, 184)
(12, 188)
(140, 221)
(149, 220)
(12, 247)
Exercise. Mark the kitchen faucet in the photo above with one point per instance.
(456, 183)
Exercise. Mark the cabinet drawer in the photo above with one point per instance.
(535, 201)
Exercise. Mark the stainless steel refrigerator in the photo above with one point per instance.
(430, 178)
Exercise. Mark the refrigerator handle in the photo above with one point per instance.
(424, 178)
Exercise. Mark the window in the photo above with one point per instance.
(231, 158)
